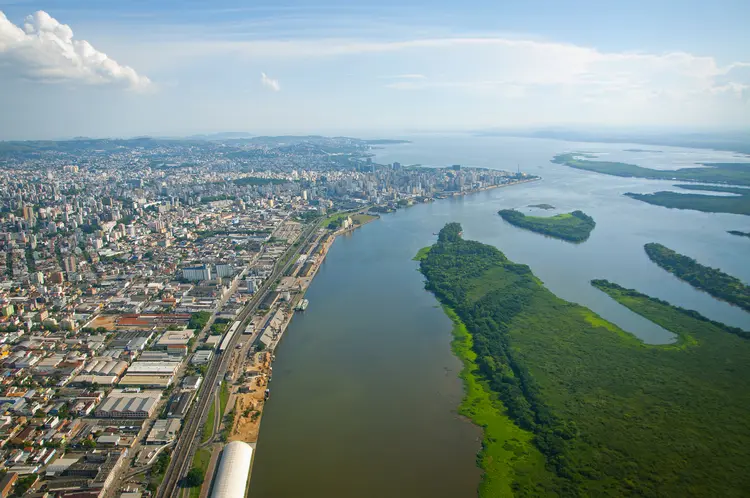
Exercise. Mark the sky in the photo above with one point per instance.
(124, 68)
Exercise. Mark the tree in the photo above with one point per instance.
(194, 477)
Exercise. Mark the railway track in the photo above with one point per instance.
(188, 438)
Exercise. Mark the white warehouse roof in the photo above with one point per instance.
(231, 477)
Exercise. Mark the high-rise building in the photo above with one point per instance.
(70, 264)
(28, 214)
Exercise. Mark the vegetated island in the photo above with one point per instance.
(710, 280)
(733, 173)
(738, 233)
(542, 206)
(573, 227)
(571, 405)
(735, 204)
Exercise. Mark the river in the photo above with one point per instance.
(365, 387)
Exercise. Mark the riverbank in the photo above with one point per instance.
(508, 454)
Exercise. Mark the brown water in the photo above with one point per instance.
(365, 388)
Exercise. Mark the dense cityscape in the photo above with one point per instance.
(145, 286)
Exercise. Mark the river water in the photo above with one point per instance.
(365, 387)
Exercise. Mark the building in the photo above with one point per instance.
(175, 341)
(197, 273)
(164, 431)
(192, 382)
(201, 357)
(234, 467)
(6, 485)
(178, 404)
(121, 404)
(70, 264)
(224, 270)
(154, 367)
(146, 380)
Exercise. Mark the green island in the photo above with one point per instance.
(734, 173)
(710, 280)
(738, 233)
(542, 206)
(573, 227)
(734, 204)
(572, 405)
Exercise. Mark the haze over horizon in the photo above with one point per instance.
(182, 68)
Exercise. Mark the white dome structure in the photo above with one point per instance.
(234, 467)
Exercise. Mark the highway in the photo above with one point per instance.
(189, 436)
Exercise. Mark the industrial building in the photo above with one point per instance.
(146, 380)
(163, 431)
(202, 356)
(175, 342)
(154, 367)
(234, 468)
(178, 404)
(121, 404)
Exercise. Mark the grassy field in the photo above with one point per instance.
(421, 254)
(711, 280)
(208, 427)
(201, 459)
(573, 227)
(732, 173)
(223, 397)
(357, 218)
(612, 416)
(735, 204)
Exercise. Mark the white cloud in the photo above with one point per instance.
(269, 83)
(44, 50)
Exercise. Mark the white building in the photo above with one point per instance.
(197, 273)
(234, 467)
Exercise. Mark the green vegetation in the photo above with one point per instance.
(735, 204)
(197, 473)
(661, 312)
(24, 484)
(208, 426)
(223, 397)
(739, 234)
(710, 280)
(217, 328)
(734, 173)
(573, 227)
(199, 320)
(421, 254)
(542, 206)
(157, 471)
(611, 415)
(508, 454)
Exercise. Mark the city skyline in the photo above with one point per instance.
(334, 68)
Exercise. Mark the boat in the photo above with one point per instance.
(302, 305)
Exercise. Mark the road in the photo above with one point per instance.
(188, 439)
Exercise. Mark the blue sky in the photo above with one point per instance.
(182, 67)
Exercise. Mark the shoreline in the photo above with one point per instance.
(464, 407)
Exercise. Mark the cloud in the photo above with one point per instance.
(269, 83)
(44, 50)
